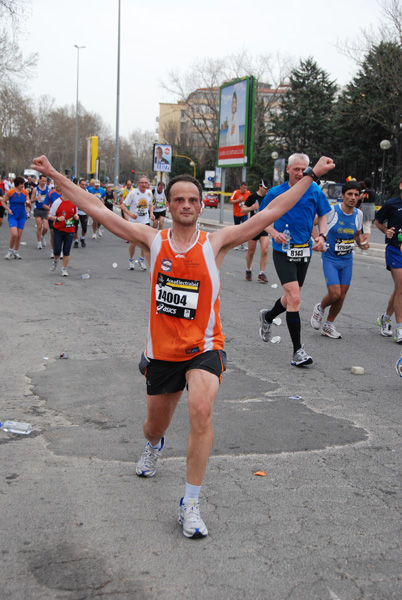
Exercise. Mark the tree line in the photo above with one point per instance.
(315, 115)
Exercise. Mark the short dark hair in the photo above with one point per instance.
(367, 182)
(243, 183)
(186, 178)
(350, 185)
(18, 180)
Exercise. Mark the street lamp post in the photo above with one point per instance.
(384, 145)
(192, 163)
(117, 157)
(76, 112)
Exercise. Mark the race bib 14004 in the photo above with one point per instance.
(176, 297)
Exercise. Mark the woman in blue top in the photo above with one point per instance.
(17, 215)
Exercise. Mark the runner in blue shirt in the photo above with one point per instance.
(291, 264)
(389, 220)
(100, 193)
(345, 223)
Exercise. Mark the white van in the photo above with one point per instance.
(32, 173)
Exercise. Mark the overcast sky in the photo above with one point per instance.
(158, 36)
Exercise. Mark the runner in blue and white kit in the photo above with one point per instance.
(41, 210)
(345, 223)
(100, 193)
(291, 265)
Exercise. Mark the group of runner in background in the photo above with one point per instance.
(313, 225)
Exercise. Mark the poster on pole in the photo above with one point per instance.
(236, 117)
(162, 158)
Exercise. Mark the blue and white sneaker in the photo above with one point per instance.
(141, 262)
(385, 324)
(189, 517)
(146, 466)
(398, 366)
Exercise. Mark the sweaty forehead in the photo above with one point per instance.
(184, 188)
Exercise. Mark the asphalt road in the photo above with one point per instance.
(324, 524)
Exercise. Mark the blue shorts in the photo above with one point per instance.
(62, 240)
(17, 220)
(393, 257)
(337, 272)
(240, 220)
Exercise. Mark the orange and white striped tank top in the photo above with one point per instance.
(184, 314)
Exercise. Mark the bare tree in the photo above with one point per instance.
(12, 62)
(198, 89)
(389, 29)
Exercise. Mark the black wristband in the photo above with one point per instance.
(309, 171)
(323, 235)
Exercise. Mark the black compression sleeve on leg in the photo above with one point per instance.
(278, 309)
(294, 326)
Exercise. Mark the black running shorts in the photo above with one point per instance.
(289, 271)
(167, 377)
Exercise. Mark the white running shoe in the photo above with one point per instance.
(385, 324)
(265, 329)
(131, 264)
(64, 272)
(9, 255)
(16, 255)
(329, 330)
(398, 335)
(51, 254)
(141, 262)
(39, 246)
(94, 236)
(189, 517)
(43, 242)
(398, 366)
(301, 358)
(146, 466)
(317, 316)
(99, 232)
(54, 265)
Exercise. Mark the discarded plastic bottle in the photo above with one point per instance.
(286, 233)
(15, 427)
(85, 276)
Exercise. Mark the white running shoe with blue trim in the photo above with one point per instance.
(146, 466)
(189, 517)
(398, 366)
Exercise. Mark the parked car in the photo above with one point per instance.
(332, 190)
(210, 199)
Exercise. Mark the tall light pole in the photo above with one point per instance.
(384, 145)
(76, 111)
(116, 160)
(192, 163)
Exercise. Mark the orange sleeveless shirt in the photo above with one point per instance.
(184, 315)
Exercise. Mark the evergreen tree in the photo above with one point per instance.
(369, 110)
(304, 123)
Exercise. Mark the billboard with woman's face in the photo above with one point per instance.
(235, 123)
